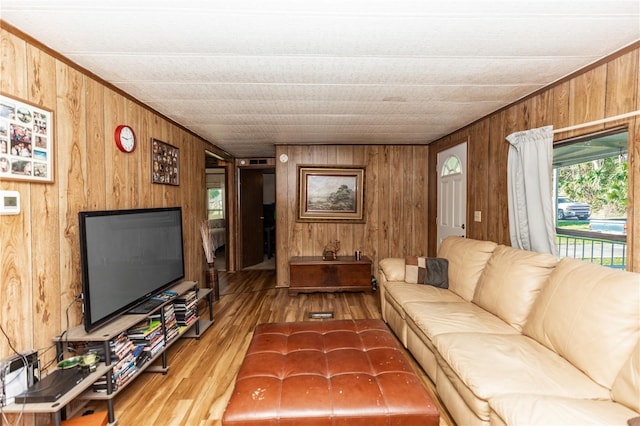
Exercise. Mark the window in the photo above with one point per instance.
(451, 166)
(216, 186)
(215, 203)
(591, 192)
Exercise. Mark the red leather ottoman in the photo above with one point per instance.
(328, 373)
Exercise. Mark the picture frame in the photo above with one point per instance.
(331, 193)
(165, 163)
(26, 141)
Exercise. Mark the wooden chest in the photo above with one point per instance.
(311, 273)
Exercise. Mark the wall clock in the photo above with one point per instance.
(125, 138)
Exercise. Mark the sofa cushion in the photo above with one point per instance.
(626, 387)
(548, 410)
(421, 348)
(483, 366)
(395, 296)
(467, 258)
(511, 281)
(401, 293)
(434, 318)
(590, 315)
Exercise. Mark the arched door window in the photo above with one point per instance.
(451, 166)
(451, 216)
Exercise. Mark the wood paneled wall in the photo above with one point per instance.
(395, 203)
(606, 89)
(39, 248)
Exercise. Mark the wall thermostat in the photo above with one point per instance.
(9, 202)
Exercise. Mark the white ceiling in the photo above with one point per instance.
(249, 74)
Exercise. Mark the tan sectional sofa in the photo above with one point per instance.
(521, 338)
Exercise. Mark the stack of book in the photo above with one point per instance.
(147, 334)
(123, 359)
(165, 295)
(170, 323)
(186, 308)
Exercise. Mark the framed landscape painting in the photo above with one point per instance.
(330, 194)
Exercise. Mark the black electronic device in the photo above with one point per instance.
(17, 374)
(146, 306)
(127, 257)
(52, 386)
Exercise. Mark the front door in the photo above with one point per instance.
(452, 192)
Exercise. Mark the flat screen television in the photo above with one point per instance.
(127, 257)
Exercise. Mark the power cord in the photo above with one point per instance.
(65, 333)
(25, 363)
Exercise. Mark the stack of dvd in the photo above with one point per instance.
(170, 324)
(149, 335)
(186, 308)
(122, 358)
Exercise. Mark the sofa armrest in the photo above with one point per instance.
(392, 269)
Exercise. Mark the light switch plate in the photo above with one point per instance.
(477, 216)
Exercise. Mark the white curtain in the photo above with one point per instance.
(529, 180)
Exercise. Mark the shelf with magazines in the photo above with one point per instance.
(133, 343)
(202, 321)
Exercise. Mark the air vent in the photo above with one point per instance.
(321, 315)
(257, 162)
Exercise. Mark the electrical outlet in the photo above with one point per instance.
(477, 216)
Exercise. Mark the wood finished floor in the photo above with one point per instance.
(200, 380)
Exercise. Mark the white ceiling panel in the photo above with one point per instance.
(168, 92)
(249, 74)
(330, 70)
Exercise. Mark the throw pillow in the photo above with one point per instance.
(427, 270)
(415, 269)
(437, 272)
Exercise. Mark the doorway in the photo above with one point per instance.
(217, 204)
(257, 218)
(452, 192)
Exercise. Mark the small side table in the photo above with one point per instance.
(309, 274)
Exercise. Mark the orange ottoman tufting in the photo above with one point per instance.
(328, 373)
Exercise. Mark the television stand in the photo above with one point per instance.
(106, 337)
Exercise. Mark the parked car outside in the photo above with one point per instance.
(568, 208)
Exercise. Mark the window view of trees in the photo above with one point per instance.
(600, 183)
(215, 205)
(591, 177)
(591, 190)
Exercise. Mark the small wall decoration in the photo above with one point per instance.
(165, 163)
(26, 141)
(330, 194)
